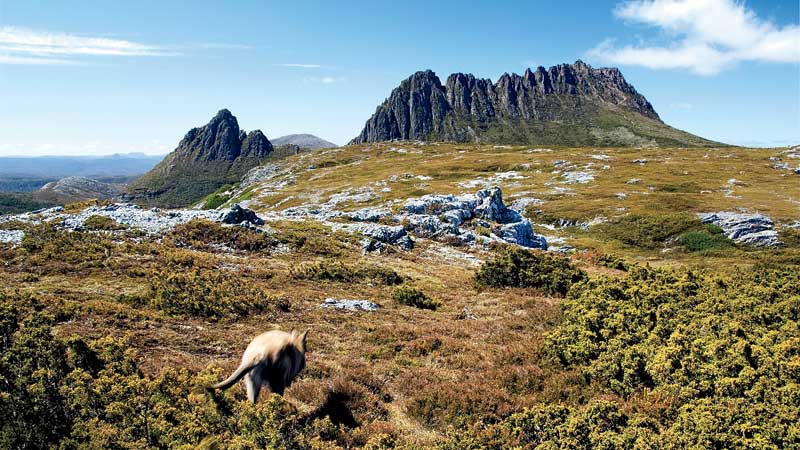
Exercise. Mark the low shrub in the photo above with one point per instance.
(311, 237)
(67, 392)
(516, 267)
(217, 198)
(102, 223)
(410, 296)
(202, 234)
(646, 231)
(66, 251)
(207, 294)
(336, 271)
(704, 241)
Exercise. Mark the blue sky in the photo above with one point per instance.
(95, 77)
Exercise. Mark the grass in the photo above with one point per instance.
(525, 365)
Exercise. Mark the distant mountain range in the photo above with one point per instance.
(27, 174)
(568, 104)
(125, 164)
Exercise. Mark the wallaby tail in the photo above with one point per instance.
(234, 378)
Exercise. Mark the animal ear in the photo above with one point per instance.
(303, 339)
(294, 333)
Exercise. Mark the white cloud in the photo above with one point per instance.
(705, 36)
(25, 46)
(302, 66)
(28, 61)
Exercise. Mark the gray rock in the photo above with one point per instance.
(11, 236)
(429, 226)
(522, 204)
(748, 229)
(521, 233)
(236, 215)
(369, 214)
(491, 207)
(350, 305)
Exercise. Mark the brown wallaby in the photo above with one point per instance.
(274, 358)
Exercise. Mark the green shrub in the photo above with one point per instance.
(646, 231)
(410, 296)
(722, 347)
(217, 198)
(66, 251)
(102, 223)
(704, 241)
(67, 392)
(612, 262)
(312, 237)
(202, 234)
(336, 271)
(207, 294)
(516, 267)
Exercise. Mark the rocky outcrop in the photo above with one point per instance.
(746, 229)
(350, 305)
(535, 107)
(236, 215)
(451, 217)
(207, 158)
(152, 221)
(72, 189)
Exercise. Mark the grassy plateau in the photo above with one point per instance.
(655, 332)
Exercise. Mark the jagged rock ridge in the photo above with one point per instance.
(207, 158)
(570, 104)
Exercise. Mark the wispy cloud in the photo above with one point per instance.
(706, 36)
(302, 66)
(25, 46)
(28, 61)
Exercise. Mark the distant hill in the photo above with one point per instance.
(72, 189)
(27, 174)
(304, 141)
(207, 158)
(568, 104)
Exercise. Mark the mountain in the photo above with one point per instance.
(71, 189)
(207, 158)
(568, 104)
(304, 141)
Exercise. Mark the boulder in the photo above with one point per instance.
(236, 215)
(350, 305)
(521, 233)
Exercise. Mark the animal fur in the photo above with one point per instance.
(273, 358)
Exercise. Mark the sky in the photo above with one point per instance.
(99, 77)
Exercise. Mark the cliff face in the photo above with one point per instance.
(541, 106)
(207, 158)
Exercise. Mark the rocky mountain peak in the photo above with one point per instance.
(466, 107)
(217, 140)
(208, 157)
